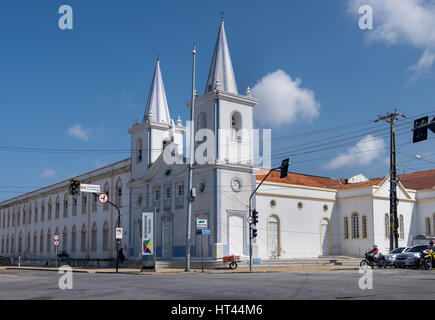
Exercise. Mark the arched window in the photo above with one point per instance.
(36, 212)
(65, 206)
(65, 239)
(119, 193)
(7, 244)
(401, 227)
(13, 218)
(428, 226)
(273, 244)
(94, 198)
(3, 244)
(24, 215)
(20, 242)
(35, 241)
(28, 243)
(29, 220)
(13, 244)
(83, 238)
(139, 150)
(387, 225)
(355, 225)
(236, 126)
(105, 236)
(48, 240)
(73, 238)
(42, 211)
(84, 203)
(74, 206)
(57, 209)
(202, 121)
(364, 226)
(50, 208)
(41, 241)
(9, 219)
(94, 239)
(346, 227)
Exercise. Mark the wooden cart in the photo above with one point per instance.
(231, 260)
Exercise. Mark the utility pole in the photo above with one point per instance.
(191, 162)
(394, 222)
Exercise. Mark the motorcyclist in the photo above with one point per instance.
(431, 245)
(374, 253)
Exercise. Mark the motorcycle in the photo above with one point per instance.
(427, 258)
(369, 262)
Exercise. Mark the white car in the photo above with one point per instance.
(390, 258)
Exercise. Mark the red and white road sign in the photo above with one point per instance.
(103, 198)
(56, 237)
(118, 233)
(93, 188)
(250, 219)
(56, 243)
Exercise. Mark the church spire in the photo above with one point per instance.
(157, 105)
(221, 69)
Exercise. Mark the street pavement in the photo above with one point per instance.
(334, 285)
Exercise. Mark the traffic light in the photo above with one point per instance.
(254, 233)
(255, 216)
(284, 168)
(420, 129)
(74, 187)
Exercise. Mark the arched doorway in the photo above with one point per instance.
(325, 232)
(235, 234)
(273, 237)
(167, 230)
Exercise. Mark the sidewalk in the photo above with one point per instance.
(255, 269)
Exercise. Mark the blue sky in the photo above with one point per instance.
(97, 77)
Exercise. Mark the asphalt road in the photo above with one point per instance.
(342, 285)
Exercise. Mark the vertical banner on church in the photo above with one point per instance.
(147, 233)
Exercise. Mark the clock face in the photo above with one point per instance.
(236, 184)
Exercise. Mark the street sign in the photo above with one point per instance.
(198, 231)
(56, 237)
(56, 243)
(206, 232)
(103, 198)
(93, 188)
(250, 219)
(118, 233)
(201, 223)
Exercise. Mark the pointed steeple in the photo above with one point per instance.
(157, 105)
(221, 67)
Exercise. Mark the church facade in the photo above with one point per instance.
(299, 216)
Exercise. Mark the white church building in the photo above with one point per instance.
(299, 216)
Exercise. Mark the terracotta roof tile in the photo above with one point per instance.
(416, 180)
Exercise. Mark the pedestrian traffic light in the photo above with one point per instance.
(254, 233)
(74, 187)
(255, 216)
(420, 129)
(284, 168)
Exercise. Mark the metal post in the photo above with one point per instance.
(117, 240)
(191, 162)
(394, 237)
(202, 252)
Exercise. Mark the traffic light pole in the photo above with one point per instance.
(250, 213)
(117, 240)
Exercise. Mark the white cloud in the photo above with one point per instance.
(48, 173)
(283, 101)
(403, 21)
(363, 153)
(80, 132)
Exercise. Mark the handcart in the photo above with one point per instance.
(231, 260)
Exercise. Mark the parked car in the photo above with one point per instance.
(390, 258)
(410, 258)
